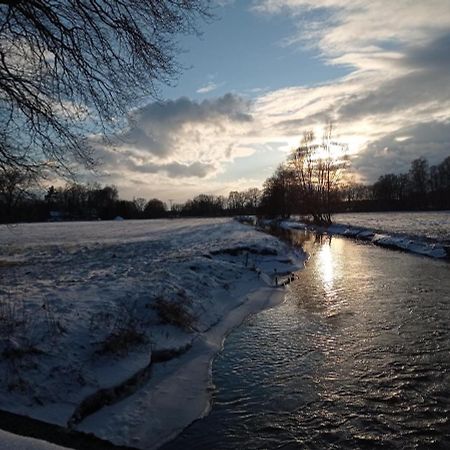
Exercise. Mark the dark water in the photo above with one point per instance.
(357, 358)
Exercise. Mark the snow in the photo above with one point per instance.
(9, 441)
(421, 245)
(428, 225)
(85, 306)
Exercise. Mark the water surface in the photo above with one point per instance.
(356, 358)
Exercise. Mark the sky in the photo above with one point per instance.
(265, 71)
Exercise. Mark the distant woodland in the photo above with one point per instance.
(423, 187)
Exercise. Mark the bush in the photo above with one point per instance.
(121, 340)
(174, 313)
(124, 328)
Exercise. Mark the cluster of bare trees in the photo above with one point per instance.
(309, 181)
(23, 199)
(237, 203)
(312, 183)
(15, 190)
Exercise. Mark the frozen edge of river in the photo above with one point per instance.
(179, 393)
(397, 242)
(12, 441)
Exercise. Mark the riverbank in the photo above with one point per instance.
(356, 357)
(10, 441)
(106, 322)
(389, 238)
(179, 392)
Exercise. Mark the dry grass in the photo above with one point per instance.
(121, 341)
(125, 329)
(174, 313)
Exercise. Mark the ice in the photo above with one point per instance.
(428, 225)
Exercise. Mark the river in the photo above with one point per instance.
(358, 357)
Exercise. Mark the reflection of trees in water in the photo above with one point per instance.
(322, 238)
(299, 238)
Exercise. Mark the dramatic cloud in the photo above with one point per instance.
(164, 128)
(393, 104)
(393, 153)
(166, 142)
(397, 53)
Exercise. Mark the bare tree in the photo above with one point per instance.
(318, 167)
(73, 67)
(139, 203)
(252, 198)
(279, 197)
(15, 186)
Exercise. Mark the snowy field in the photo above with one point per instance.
(432, 225)
(110, 327)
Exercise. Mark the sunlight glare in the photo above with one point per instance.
(325, 264)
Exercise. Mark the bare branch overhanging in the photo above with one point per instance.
(73, 67)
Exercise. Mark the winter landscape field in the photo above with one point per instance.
(110, 327)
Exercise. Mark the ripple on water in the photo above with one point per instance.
(356, 358)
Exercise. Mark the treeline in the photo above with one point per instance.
(23, 200)
(237, 203)
(423, 187)
(301, 186)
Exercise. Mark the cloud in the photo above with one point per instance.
(344, 26)
(175, 169)
(394, 152)
(171, 142)
(397, 84)
(433, 55)
(163, 128)
(209, 87)
(391, 107)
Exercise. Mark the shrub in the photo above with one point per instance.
(174, 313)
(121, 340)
(125, 329)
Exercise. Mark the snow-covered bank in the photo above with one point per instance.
(413, 244)
(428, 225)
(9, 441)
(82, 312)
(179, 392)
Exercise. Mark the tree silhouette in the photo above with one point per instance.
(72, 67)
(318, 168)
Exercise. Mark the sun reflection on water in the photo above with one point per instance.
(325, 265)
